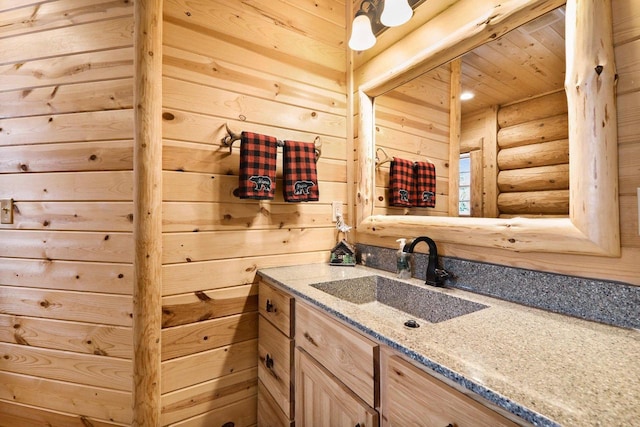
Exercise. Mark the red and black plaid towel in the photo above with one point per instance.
(425, 185)
(257, 166)
(401, 182)
(300, 174)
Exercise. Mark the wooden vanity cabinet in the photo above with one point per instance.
(314, 371)
(275, 357)
(412, 397)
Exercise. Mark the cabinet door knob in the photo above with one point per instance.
(310, 338)
(269, 307)
(268, 361)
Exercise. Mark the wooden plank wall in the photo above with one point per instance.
(66, 132)
(626, 22)
(271, 67)
(412, 123)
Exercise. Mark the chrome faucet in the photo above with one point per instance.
(435, 276)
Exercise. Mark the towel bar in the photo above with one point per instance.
(388, 159)
(231, 137)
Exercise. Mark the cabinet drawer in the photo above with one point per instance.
(275, 353)
(411, 396)
(345, 353)
(276, 306)
(269, 412)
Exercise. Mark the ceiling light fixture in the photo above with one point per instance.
(374, 16)
(465, 96)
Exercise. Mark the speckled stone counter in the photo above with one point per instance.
(546, 368)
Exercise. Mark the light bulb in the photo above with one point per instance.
(395, 12)
(362, 37)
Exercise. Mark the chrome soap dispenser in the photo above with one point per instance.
(403, 261)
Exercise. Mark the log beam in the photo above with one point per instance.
(147, 164)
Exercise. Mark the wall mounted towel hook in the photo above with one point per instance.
(386, 159)
(231, 137)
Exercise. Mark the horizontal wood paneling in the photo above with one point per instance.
(63, 13)
(94, 402)
(204, 246)
(216, 72)
(239, 414)
(104, 340)
(109, 278)
(72, 216)
(72, 98)
(256, 30)
(200, 367)
(77, 156)
(61, 70)
(196, 98)
(204, 216)
(46, 245)
(30, 416)
(194, 338)
(197, 187)
(213, 274)
(210, 304)
(68, 40)
(67, 305)
(91, 126)
(92, 370)
(90, 186)
(66, 158)
(209, 395)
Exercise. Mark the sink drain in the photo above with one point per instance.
(411, 324)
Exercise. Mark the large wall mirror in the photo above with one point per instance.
(543, 160)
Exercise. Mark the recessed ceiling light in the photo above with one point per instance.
(465, 96)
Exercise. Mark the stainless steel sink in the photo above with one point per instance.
(411, 299)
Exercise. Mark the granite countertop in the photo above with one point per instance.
(548, 369)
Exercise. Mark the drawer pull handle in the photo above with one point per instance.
(310, 338)
(269, 307)
(268, 361)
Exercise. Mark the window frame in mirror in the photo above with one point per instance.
(593, 224)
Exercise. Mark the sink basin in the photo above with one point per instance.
(413, 300)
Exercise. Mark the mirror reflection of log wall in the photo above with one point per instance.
(412, 122)
(66, 158)
(533, 157)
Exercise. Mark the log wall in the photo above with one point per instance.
(66, 149)
(533, 157)
(271, 67)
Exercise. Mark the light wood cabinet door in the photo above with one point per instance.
(323, 401)
(412, 397)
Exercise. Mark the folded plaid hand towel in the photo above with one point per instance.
(300, 174)
(257, 166)
(401, 182)
(425, 185)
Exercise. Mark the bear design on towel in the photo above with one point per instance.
(404, 195)
(262, 182)
(302, 187)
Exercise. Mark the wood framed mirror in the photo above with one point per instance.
(592, 226)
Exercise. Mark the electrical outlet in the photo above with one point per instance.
(336, 210)
(6, 211)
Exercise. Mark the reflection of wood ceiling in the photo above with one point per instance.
(526, 62)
